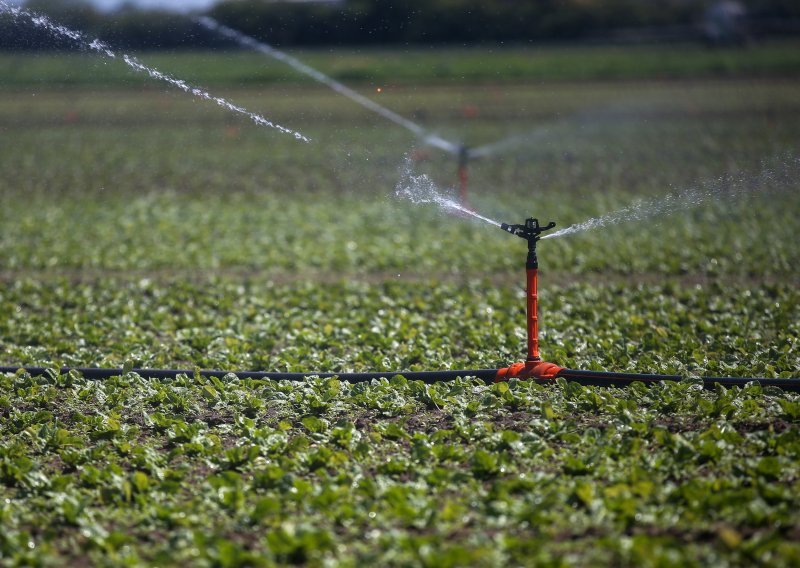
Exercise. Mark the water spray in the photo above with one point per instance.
(43, 22)
(421, 189)
(767, 181)
(251, 43)
(462, 153)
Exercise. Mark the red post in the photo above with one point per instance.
(463, 178)
(533, 314)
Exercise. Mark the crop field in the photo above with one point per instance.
(142, 228)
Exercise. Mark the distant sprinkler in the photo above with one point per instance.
(463, 155)
(463, 173)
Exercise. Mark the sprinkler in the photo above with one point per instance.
(530, 231)
(463, 173)
(533, 367)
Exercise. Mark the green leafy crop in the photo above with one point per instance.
(394, 472)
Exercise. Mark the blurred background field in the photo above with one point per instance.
(419, 65)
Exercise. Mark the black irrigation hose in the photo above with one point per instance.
(424, 376)
(608, 379)
(588, 378)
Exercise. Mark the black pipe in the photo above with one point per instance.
(487, 375)
(586, 378)
(608, 379)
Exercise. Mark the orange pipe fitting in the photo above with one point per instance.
(540, 370)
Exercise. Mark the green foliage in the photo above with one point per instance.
(288, 487)
(388, 327)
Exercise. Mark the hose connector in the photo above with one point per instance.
(538, 370)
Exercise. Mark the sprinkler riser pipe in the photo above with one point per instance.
(533, 367)
(463, 174)
(463, 179)
(532, 293)
(532, 261)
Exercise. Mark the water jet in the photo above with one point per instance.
(43, 22)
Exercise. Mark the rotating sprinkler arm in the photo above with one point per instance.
(463, 155)
(530, 231)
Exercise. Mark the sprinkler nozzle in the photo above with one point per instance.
(530, 231)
